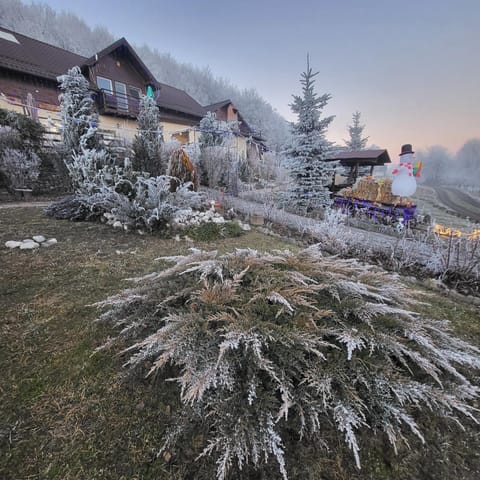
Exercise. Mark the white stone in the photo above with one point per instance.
(39, 238)
(29, 245)
(49, 242)
(117, 224)
(12, 244)
(245, 227)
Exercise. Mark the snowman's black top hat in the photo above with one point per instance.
(406, 149)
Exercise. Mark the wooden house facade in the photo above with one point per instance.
(117, 76)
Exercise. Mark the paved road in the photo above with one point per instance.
(460, 202)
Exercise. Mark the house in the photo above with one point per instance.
(28, 75)
(250, 144)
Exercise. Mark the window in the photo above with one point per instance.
(122, 99)
(104, 84)
(134, 92)
(134, 100)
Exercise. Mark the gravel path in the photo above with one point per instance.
(39, 204)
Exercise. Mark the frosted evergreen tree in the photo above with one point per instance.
(356, 141)
(147, 142)
(77, 108)
(212, 131)
(309, 148)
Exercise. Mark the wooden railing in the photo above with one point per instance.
(117, 103)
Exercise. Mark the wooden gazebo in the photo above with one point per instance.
(355, 160)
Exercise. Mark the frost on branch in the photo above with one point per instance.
(266, 346)
(309, 148)
(148, 140)
(77, 110)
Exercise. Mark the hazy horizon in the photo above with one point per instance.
(409, 68)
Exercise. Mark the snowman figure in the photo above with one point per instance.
(404, 184)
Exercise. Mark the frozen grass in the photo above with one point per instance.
(66, 415)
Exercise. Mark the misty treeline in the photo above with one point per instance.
(444, 168)
(68, 31)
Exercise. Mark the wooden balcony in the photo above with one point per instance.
(117, 104)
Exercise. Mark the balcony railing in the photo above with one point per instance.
(117, 103)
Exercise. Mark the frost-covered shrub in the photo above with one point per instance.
(333, 235)
(9, 138)
(210, 231)
(84, 169)
(148, 139)
(19, 167)
(219, 160)
(29, 131)
(20, 147)
(79, 208)
(167, 148)
(77, 110)
(180, 166)
(219, 165)
(277, 348)
(268, 170)
(131, 201)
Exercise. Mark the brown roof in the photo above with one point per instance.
(362, 157)
(172, 98)
(35, 57)
(213, 107)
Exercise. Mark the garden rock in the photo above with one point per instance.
(29, 245)
(12, 244)
(244, 226)
(49, 242)
(39, 238)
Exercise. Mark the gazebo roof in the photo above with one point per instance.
(362, 158)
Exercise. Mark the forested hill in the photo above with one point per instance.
(70, 32)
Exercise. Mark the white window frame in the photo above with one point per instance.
(110, 91)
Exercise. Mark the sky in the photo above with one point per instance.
(412, 68)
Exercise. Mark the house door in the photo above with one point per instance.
(122, 100)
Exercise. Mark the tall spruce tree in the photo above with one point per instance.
(312, 175)
(78, 114)
(147, 142)
(356, 142)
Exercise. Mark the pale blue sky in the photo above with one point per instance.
(411, 67)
